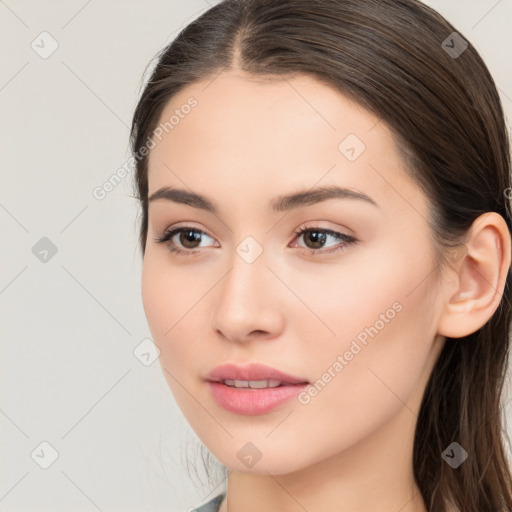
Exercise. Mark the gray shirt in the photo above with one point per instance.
(212, 505)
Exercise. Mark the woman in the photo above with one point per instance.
(326, 239)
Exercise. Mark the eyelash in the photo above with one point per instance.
(347, 239)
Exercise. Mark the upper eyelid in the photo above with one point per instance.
(298, 232)
(302, 226)
(299, 229)
(186, 226)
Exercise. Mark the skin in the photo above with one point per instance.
(245, 143)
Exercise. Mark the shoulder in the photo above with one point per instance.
(212, 505)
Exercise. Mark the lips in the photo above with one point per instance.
(252, 372)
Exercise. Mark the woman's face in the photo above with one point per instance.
(357, 320)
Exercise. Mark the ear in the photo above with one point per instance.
(479, 272)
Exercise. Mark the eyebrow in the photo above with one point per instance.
(279, 204)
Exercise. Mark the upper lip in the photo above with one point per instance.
(253, 371)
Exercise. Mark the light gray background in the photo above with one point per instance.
(69, 326)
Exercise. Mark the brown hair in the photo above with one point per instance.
(400, 60)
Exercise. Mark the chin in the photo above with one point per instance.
(278, 463)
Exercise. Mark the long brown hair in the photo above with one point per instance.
(400, 60)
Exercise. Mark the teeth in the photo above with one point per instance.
(254, 384)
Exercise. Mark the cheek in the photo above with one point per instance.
(385, 338)
(384, 321)
(163, 297)
(174, 298)
(155, 297)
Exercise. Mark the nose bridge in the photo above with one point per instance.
(247, 300)
(244, 282)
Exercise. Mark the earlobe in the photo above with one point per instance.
(480, 272)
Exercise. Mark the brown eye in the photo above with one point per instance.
(188, 240)
(188, 237)
(315, 237)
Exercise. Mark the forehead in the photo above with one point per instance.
(266, 137)
(244, 114)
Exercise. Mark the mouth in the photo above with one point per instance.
(255, 384)
(239, 397)
(253, 376)
(253, 389)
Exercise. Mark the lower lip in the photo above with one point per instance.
(253, 401)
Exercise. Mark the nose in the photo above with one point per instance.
(248, 302)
